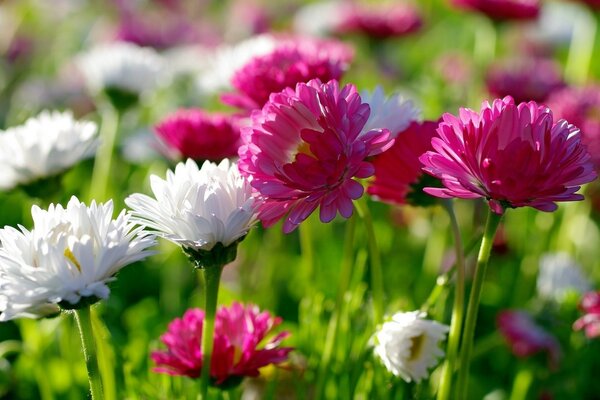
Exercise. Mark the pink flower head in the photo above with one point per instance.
(292, 61)
(398, 170)
(196, 134)
(239, 330)
(512, 155)
(304, 148)
(524, 79)
(590, 322)
(380, 22)
(503, 9)
(160, 34)
(525, 337)
(581, 106)
(591, 3)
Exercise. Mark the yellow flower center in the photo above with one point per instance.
(416, 347)
(71, 257)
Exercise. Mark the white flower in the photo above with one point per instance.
(44, 146)
(394, 112)
(320, 18)
(408, 344)
(558, 275)
(123, 66)
(70, 253)
(198, 208)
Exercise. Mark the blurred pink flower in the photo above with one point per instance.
(162, 32)
(524, 79)
(293, 60)
(525, 337)
(503, 9)
(196, 134)
(581, 106)
(512, 155)
(590, 322)
(591, 3)
(380, 21)
(304, 148)
(398, 170)
(239, 331)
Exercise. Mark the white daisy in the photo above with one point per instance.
(198, 208)
(558, 275)
(320, 18)
(44, 146)
(394, 113)
(408, 344)
(71, 253)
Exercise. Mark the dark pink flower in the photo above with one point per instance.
(194, 133)
(503, 9)
(512, 155)
(525, 337)
(524, 79)
(292, 61)
(590, 322)
(161, 32)
(591, 3)
(304, 148)
(581, 107)
(398, 170)
(380, 22)
(239, 331)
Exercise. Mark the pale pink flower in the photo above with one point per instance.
(237, 352)
(304, 149)
(512, 155)
(380, 21)
(590, 322)
(503, 9)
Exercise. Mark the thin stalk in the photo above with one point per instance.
(491, 226)
(212, 278)
(307, 249)
(457, 308)
(84, 323)
(521, 385)
(104, 156)
(581, 48)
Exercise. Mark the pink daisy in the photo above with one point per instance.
(512, 155)
(380, 22)
(503, 9)
(304, 148)
(239, 331)
(590, 322)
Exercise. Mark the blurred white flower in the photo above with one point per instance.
(198, 208)
(122, 66)
(71, 253)
(408, 344)
(320, 18)
(558, 275)
(394, 113)
(44, 146)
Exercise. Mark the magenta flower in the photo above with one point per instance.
(194, 133)
(525, 79)
(503, 9)
(380, 22)
(168, 31)
(304, 148)
(239, 331)
(292, 61)
(525, 337)
(398, 170)
(590, 322)
(591, 3)
(512, 155)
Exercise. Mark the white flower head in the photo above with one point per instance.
(198, 208)
(320, 18)
(123, 66)
(408, 344)
(394, 113)
(44, 146)
(558, 275)
(71, 253)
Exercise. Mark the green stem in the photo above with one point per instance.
(212, 278)
(84, 323)
(103, 161)
(581, 48)
(522, 383)
(307, 249)
(457, 308)
(491, 226)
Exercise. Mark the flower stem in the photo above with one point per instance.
(84, 323)
(581, 48)
(103, 161)
(212, 278)
(491, 226)
(457, 308)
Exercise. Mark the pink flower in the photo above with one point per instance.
(591, 3)
(590, 322)
(581, 106)
(524, 79)
(196, 134)
(292, 61)
(398, 170)
(380, 22)
(304, 148)
(512, 155)
(239, 330)
(525, 337)
(169, 30)
(503, 9)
